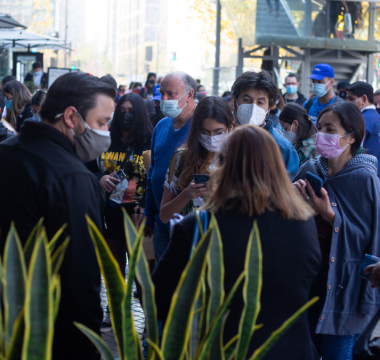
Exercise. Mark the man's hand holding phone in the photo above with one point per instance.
(108, 182)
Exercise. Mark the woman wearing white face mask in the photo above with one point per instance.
(212, 121)
(347, 217)
(299, 130)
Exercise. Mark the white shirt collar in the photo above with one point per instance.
(369, 107)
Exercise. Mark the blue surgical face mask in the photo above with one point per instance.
(170, 107)
(36, 73)
(291, 89)
(320, 89)
(36, 117)
(8, 104)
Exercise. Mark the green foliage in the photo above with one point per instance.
(199, 307)
(30, 292)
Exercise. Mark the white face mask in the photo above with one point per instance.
(251, 114)
(211, 143)
(170, 107)
(91, 143)
(290, 135)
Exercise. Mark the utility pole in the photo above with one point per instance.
(215, 86)
(66, 26)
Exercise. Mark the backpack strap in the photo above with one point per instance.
(309, 103)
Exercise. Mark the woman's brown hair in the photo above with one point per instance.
(194, 156)
(20, 97)
(250, 177)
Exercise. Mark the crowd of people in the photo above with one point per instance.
(88, 146)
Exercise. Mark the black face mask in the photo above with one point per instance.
(159, 113)
(125, 119)
(151, 82)
(343, 94)
(378, 110)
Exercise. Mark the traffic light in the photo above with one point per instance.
(174, 56)
(73, 67)
(378, 63)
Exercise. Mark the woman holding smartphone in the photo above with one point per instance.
(347, 217)
(211, 122)
(122, 170)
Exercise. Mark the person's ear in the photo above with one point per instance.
(332, 82)
(69, 117)
(191, 95)
(296, 123)
(364, 98)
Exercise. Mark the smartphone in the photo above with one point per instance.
(368, 260)
(315, 182)
(201, 179)
(120, 175)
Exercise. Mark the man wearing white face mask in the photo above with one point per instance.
(43, 166)
(323, 82)
(177, 104)
(254, 94)
(361, 94)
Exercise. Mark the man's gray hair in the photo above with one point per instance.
(187, 79)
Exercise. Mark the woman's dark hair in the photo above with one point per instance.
(142, 129)
(39, 97)
(213, 107)
(351, 119)
(260, 81)
(108, 79)
(149, 106)
(136, 85)
(306, 128)
(200, 86)
(147, 78)
(280, 99)
(76, 89)
(131, 85)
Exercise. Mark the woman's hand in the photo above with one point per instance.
(108, 183)
(374, 270)
(300, 185)
(194, 190)
(322, 205)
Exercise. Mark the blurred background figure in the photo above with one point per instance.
(18, 103)
(376, 101)
(159, 79)
(341, 89)
(198, 81)
(5, 129)
(299, 130)
(36, 78)
(270, 9)
(201, 89)
(37, 100)
(275, 111)
(121, 90)
(292, 95)
(147, 91)
(108, 79)
(137, 86)
(156, 100)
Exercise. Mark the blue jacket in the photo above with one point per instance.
(288, 151)
(372, 133)
(354, 194)
(165, 141)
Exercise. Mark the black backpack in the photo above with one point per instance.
(310, 102)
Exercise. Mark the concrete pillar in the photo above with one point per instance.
(239, 67)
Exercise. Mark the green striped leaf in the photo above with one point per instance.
(14, 278)
(54, 240)
(99, 343)
(39, 307)
(147, 287)
(176, 332)
(229, 348)
(208, 340)
(215, 272)
(260, 353)
(131, 347)
(29, 245)
(58, 256)
(113, 280)
(15, 347)
(251, 292)
(56, 288)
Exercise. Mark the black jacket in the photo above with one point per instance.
(26, 114)
(42, 176)
(30, 78)
(5, 133)
(291, 259)
(300, 101)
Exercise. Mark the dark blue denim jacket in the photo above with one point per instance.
(354, 194)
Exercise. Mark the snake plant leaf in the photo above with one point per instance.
(251, 293)
(56, 288)
(147, 287)
(156, 348)
(176, 332)
(15, 347)
(212, 334)
(215, 272)
(113, 280)
(131, 348)
(99, 343)
(196, 322)
(14, 278)
(277, 334)
(217, 352)
(229, 348)
(39, 306)
(54, 240)
(29, 245)
(58, 256)
(2, 338)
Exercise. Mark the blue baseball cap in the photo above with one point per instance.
(321, 71)
(156, 93)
